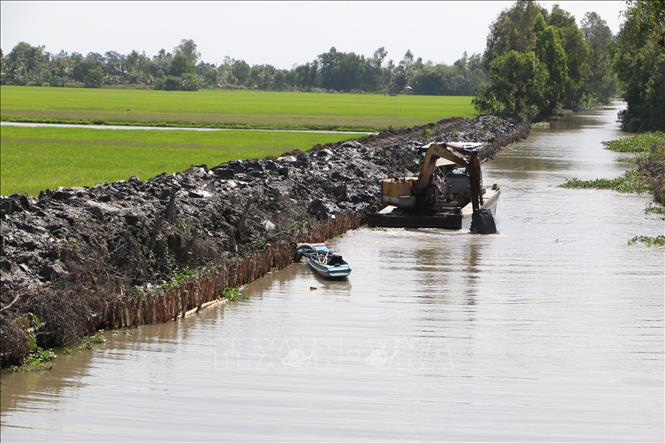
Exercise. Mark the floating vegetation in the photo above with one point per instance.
(631, 160)
(87, 343)
(632, 181)
(637, 143)
(655, 209)
(658, 240)
(38, 359)
(233, 294)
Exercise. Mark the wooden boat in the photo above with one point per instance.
(323, 261)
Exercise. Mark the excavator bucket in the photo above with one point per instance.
(482, 222)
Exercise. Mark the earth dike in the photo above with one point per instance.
(137, 252)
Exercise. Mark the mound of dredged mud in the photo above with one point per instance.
(64, 255)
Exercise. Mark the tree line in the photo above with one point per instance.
(183, 69)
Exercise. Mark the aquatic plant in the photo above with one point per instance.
(655, 209)
(38, 358)
(658, 240)
(632, 181)
(233, 294)
(637, 143)
(87, 343)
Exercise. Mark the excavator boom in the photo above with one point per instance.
(428, 165)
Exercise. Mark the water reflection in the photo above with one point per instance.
(473, 272)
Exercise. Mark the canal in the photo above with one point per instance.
(550, 330)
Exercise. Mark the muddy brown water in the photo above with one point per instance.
(551, 330)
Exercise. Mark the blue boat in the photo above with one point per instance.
(324, 261)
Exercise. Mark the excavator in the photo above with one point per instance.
(447, 193)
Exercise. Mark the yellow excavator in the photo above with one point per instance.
(447, 192)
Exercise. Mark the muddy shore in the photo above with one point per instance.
(87, 258)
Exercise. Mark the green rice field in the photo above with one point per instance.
(33, 159)
(224, 108)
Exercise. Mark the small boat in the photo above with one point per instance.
(324, 261)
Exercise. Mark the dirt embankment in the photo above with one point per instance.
(85, 258)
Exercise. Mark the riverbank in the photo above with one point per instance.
(106, 256)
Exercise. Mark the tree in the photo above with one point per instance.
(188, 49)
(208, 74)
(180, 65)
(407, 60)
(306, 76)
(576, 53)
(114, 67)
(551, 54)
(2, 67)
(340, 71)
(25, 65)
(514, 29)
(240, 70)
(601, 82)
(516, 86)
(428, 81)
(94, 76)
(398, 80)
(639, 61)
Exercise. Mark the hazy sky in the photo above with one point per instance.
(279, 33)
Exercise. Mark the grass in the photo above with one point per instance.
(637, 143)
(33, 159)
(223, 108)
(632, 181)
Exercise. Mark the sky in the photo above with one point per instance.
(279, 33)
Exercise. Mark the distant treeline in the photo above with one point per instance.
(182, 69)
